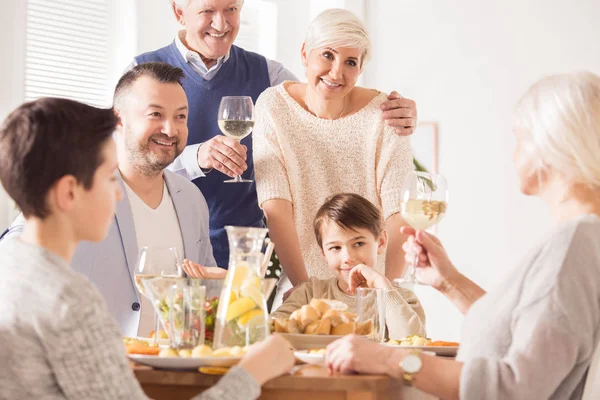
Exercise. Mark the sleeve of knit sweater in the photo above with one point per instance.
(236, 384)
(394, 162)
(404, 314)
(269, 165)
(552, 326)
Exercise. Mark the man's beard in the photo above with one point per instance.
(144, 160)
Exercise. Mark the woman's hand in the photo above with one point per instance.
(268, 359)
(434, 268)
(364, 276)
(198, 271)
(355, 354)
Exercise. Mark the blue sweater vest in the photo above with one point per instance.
(244, 74)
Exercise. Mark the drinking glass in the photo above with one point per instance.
(424, 203)
(155, 262)
(236, 120)
(186, 313)
(370, 308)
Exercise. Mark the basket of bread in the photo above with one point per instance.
(319, 323)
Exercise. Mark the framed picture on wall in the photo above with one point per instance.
(424, 144)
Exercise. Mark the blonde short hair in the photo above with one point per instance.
(338, 28)
(561, 113)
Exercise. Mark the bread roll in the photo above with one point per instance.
(320, 305)
(293, 327)
(334, 316)
(295, 315)
(318, 327)
(348, 317)
(344, 329)
(280, 325)
(307, 315)
(364, 328)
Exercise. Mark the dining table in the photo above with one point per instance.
(304, 382)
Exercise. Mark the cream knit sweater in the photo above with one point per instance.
(305, 159)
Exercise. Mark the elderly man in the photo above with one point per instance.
(159, 207)
(214, 68)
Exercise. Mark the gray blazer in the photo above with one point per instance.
(110, 264)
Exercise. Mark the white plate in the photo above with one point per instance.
(306, 342)
(161, 342)
(448, 351)
(184, 362)
(309, 358)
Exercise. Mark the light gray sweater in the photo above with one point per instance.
(60, 342)
(534, 336)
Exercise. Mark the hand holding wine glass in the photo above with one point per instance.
(424, 203)
(236, 120)
(434, 268)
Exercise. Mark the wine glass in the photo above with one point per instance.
(424, 203)
(156, 262)
(236, 120)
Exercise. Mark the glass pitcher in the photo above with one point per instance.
(242, 314)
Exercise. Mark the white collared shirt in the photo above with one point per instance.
(193, 58)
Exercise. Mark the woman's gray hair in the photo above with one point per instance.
(338, 28)
(561, 113)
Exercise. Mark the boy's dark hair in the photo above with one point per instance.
(43, 140)
(159, 71)
(350, 211)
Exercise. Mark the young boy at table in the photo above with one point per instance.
(350, 231)
(58, 162)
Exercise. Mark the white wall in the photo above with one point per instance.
(466, 63)
(156, 25)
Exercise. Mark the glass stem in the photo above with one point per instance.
(413, 271)
(157, 327)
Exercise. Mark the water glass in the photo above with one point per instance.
(186, 313)
(370, 308)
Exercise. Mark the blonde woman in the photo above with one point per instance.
(323, 137)
(532, 337)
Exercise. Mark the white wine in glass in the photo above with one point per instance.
(236, 130)
(424, 204)
(236, 120)
(423, 214)
(155, 262)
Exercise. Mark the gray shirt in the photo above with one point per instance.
(59, 341)
(534, 336)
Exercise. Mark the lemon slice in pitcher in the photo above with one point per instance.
(251, 319)
(242, 270)
(239, 307)
(253, 291)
